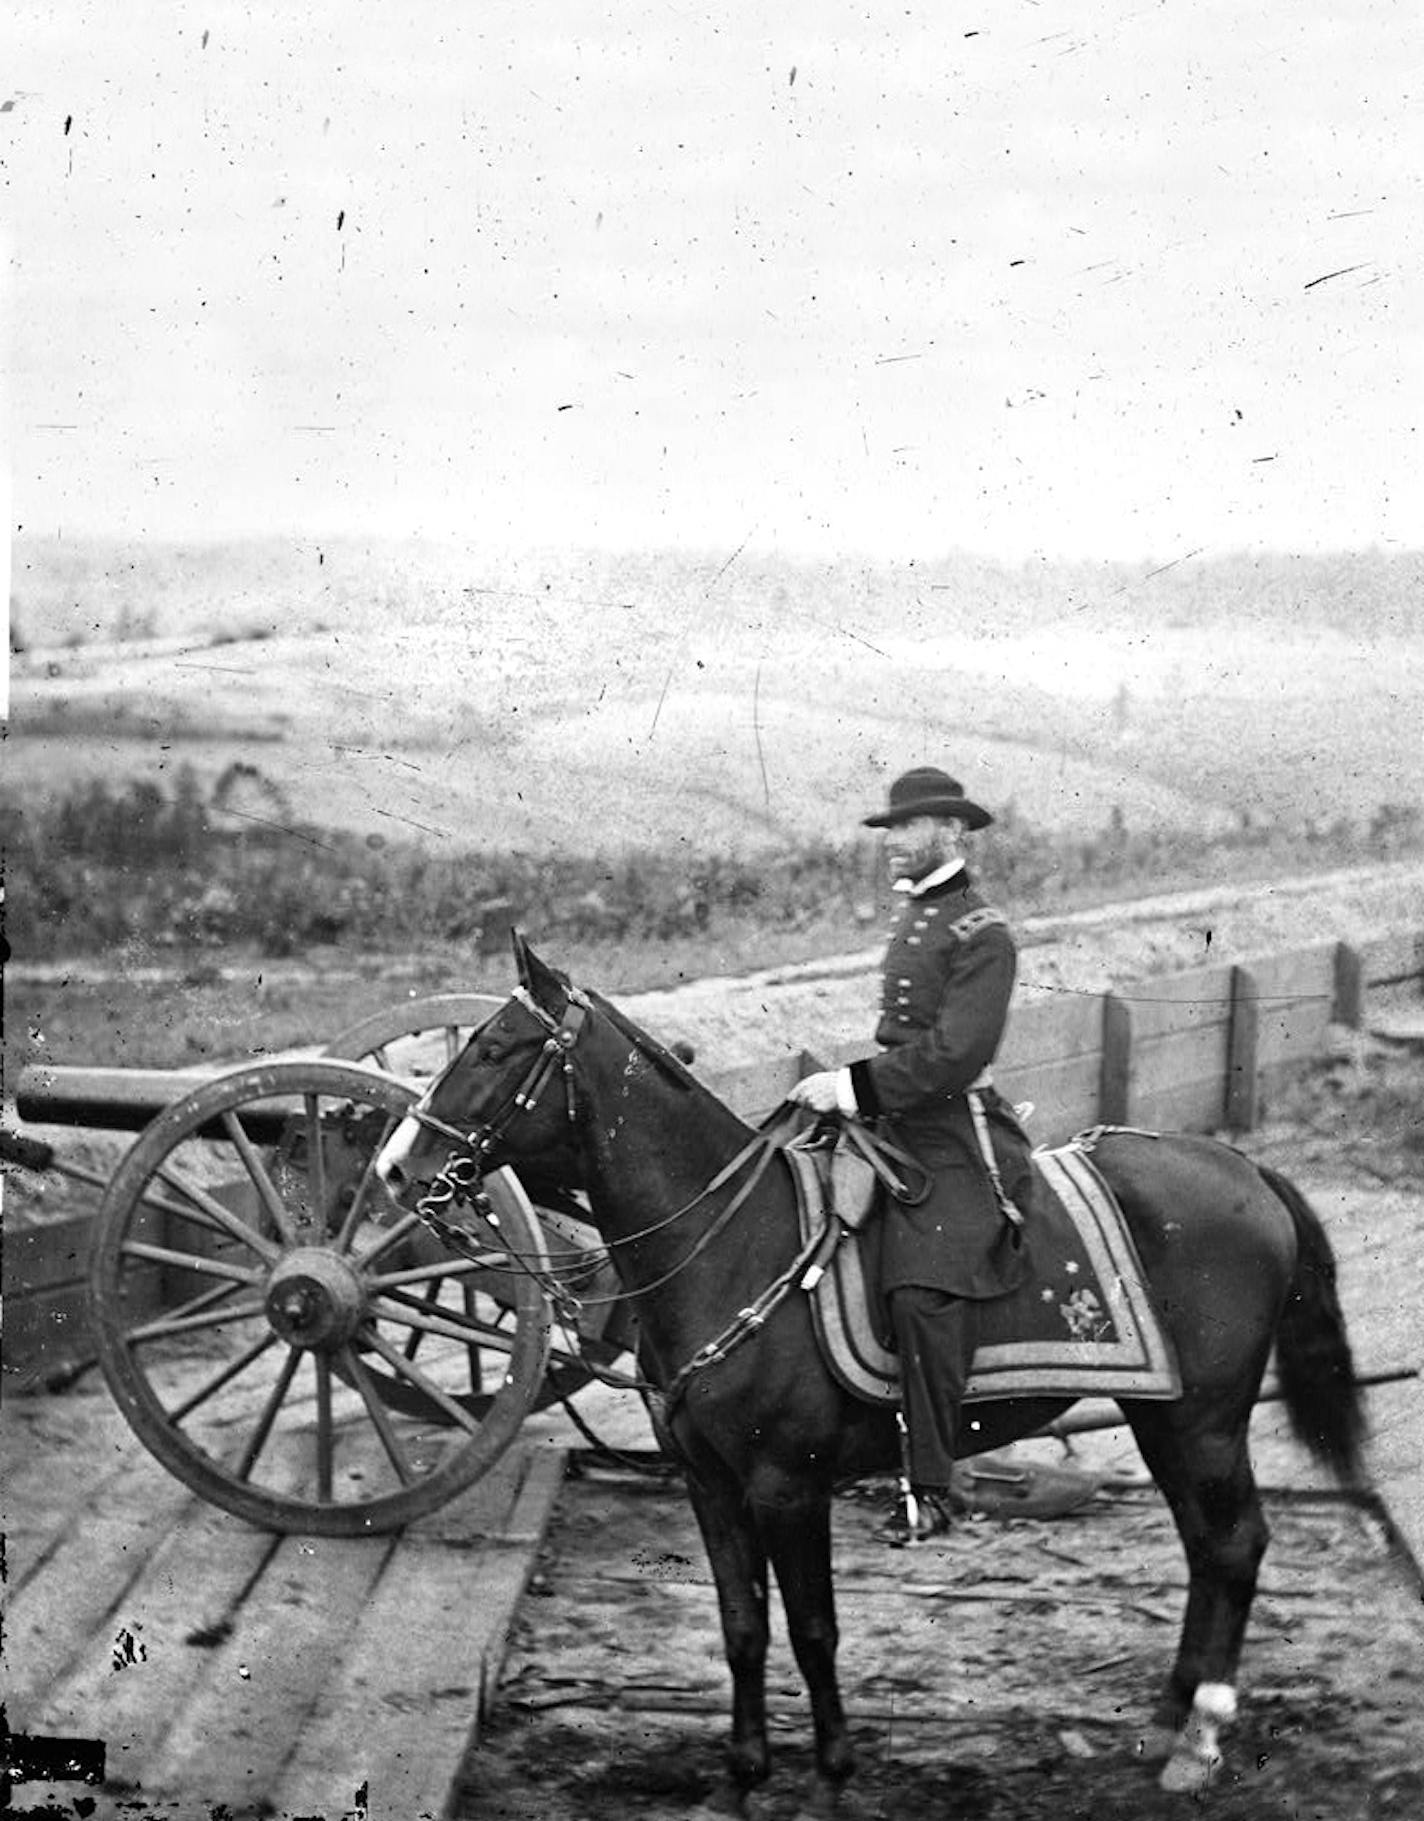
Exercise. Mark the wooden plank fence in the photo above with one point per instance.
(1204, 1050)
(1201, 1051)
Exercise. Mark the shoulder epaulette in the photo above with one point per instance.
(973, 921)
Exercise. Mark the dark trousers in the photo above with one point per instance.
(934, 1334)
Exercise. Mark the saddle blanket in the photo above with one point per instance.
(1082, 1325)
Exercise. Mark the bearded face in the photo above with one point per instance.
(915, 848)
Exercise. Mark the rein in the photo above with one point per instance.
(464, 1169)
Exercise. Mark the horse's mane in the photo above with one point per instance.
(656, 1052)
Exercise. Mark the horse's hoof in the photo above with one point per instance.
(835, 1802)
(1188, 1773)
(1156, 1743)
(1196, 1757)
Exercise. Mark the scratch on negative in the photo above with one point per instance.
(756, 730)
(1344, 272)
(267, 822)
(410, 822)
(661, 699)
(730, 560)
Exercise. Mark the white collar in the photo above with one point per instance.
(916, 888)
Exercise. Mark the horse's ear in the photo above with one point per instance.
(542, 982)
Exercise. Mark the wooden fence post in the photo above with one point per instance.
(1115, 1073)
(1242, 1080)
(1348, 1006)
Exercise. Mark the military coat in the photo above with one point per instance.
(948, 978)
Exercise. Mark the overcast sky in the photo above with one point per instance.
(1031, 279)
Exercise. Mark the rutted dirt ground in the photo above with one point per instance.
(1007, 1674)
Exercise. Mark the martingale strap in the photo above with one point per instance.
(805, 1269)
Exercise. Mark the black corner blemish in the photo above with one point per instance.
(68, 122)
(33, 1758)
(340, 219)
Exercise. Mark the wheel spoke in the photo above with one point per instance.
(233, 1369)
(413, 1375)
(277, 1209)
(472, 1352)
(258, 1439)
(391, 1237)
(455, 1266)
(430, 1297)
(356, 1212)
(376, 1410)
(203, 1300)
(324, 1443)
(407, 1312)
(230, 1223)
(453, 1045)
(191, 1261)
(166, 1326)
(316, 1164)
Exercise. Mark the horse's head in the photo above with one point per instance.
(508, 1096)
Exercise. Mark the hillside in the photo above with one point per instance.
(590, 702)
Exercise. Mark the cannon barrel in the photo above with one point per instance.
(127, 1100)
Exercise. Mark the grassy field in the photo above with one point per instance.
(558, 704)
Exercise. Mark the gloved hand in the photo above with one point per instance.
(821, 1092)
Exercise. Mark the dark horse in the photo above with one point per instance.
(699, 1220)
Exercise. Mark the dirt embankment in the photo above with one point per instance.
(733, 1023)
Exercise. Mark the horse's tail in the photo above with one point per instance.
(1313, 1357)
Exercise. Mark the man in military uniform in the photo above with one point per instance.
(948, 977)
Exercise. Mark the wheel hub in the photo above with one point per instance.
(314, 1299)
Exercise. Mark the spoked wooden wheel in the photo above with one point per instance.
(416, 1041)
(255, 1302)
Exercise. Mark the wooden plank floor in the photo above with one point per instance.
(223, 1665)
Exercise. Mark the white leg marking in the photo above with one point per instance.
(1196, 1758)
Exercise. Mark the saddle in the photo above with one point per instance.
(1081, 1325)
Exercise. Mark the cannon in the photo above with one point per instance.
(283, 1338)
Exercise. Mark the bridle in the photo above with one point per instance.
(556, 1052)
(467, 1165)
(464, 1169)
